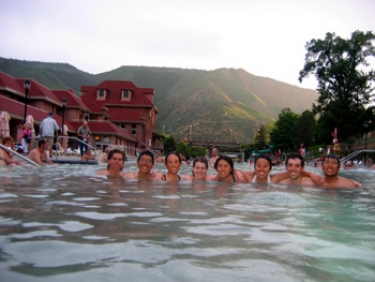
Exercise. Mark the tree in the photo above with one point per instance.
(169, 144)
(261, 138)
(282, 134)
(304, 129)
(183, 149)
(344, 78)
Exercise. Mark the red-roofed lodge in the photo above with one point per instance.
(118, 112)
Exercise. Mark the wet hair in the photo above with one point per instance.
(263, 157)
(7, 139)
(172, 153)
(41, 142)
(295, 156)
(228, 160)
(200, 160)
(147, 153)
(332, 156)
(115, 151)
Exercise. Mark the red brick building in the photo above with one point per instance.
(118, 112)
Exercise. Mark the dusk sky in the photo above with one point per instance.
(265, 38)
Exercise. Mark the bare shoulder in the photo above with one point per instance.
(128, 175)
(102, 172)
(157, 175)
(349, 183)
(210, 177)
(186, 177)
(307, 181)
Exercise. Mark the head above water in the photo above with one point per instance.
(331, 157)
(295, 156)
(265, 158)
(146, 153)
(112, 153)
(226, 159)
(7, 139)
(170, 154)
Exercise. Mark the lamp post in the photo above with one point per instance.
(87, 115)
(366, 125)
(26, 85)
(64, 102)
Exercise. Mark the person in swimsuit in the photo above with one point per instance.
(39, 155)
(199, 170)
(145, 163)
(262, 169)
(115, 161)
(173, 163)
(6, 158)
(226, 173)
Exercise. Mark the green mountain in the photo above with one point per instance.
(224, 105)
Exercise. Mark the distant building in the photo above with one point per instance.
(118, 112)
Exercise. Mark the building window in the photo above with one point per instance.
(101, 94)
(134, 129)
(126, 95)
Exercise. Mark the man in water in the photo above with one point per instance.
(331, 168)
(294, 165)
(115, 161)
(214, 157)
(39, 155)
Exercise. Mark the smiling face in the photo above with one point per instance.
(262, 168)
(330, 167)
(223, 168)
(173, 164)
(116, 162)
(145, 164)
(200, 170)
(294, 168)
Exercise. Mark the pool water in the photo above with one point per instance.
(63, 223)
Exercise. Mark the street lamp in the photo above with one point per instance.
(64, 102)
(26, 85)
(366, 124)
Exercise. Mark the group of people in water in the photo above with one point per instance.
(224, 166)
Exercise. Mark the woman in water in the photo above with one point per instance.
(199, 170)
(145, 163)
(173, 163)
(226, 173)
(6, 158)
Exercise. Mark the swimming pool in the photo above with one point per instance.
(61, 223)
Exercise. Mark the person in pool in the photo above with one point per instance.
(173, 164)
(261, 173)
(145, 163)
(39, 155)
(294, 166)
(226, 172)
(199, 170)
(115, 163)
(6, 158)
(331, 168)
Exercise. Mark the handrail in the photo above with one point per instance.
(19, 155)
(356, 153)
(73, 138)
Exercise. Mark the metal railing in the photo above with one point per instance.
(22, 157)
(72, 138)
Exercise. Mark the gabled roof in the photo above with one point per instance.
(18, 111)
(73, 101)
(40, 92)
(10, 83)
(114, 88)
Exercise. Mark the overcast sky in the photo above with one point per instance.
(264, 37)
